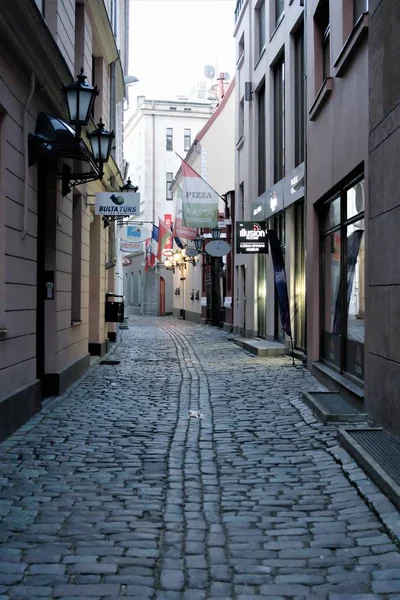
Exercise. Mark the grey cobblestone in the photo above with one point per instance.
(113, 491)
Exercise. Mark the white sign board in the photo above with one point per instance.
(125, 204)
(131, 246)
(134, 233)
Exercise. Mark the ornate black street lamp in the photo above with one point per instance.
(101, 141)
(216, 233)
(80, 100)
(129, 187)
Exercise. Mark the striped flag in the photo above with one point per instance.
(164, 234)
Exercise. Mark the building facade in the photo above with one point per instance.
(270, 161)
(157, 134)
(337, 191)
(54, 249)
(382, 352)
(203, 288)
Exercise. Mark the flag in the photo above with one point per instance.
(168, 223)
(154, 234)
(179, 243)
(180, 231)
(280, 281)
(164, 234)
(150, 257)
(200, 200)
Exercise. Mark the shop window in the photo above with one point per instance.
(343, 289)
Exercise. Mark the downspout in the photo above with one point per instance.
(26, 158)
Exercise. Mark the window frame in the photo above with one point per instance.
(325, 232)
(261, 19)
(360, 7)
(299, 95)
(261, 140)
(187, 139)
(169, 139)
(168, 181)
(279, 77)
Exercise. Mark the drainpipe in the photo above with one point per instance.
(26, 158)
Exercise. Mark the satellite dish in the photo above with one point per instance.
(227, 76)
(209, 72)
(218, 248)
(191, 252)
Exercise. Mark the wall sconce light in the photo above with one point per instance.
(216, 233)
(197, 295)
(192, 295)
(129, 187)
(101, 141)
(177, 291)
(80, 97)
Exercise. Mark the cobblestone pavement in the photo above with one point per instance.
(114, 491)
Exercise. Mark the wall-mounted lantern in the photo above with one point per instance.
(101, 141)
(80, 97)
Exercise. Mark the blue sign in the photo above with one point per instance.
(133, 231)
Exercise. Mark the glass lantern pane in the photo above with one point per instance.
(71, 100)
(85, 97)
(104, 142)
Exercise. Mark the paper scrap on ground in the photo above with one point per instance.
(195, 414)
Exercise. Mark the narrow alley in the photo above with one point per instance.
(190, 470)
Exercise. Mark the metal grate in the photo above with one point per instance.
(381, 447)
(332, 402)
(112, 363)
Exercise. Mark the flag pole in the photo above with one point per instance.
(198, 174)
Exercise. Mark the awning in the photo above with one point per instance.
(55, 139)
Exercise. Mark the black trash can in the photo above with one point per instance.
(114, 312)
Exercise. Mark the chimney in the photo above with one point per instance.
(221, 87)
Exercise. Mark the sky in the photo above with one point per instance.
(171, 41)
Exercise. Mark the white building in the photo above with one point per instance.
(157, 134)
(203, 290)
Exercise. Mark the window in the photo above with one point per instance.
(261, 26)
(323, 43)
(359, 8)
(169, 138)
(279, 8)
(279, 120)
(241, 119)
(343, 285)
(41, 6)
(299, 91)
(76, 258)
(187, 139)
(261, 141)
(241, 47)
(169, 180)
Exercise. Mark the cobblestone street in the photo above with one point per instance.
(115, 491)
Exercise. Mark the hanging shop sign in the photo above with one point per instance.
(125, 204)
(126, 262)
(131, 246)
(134, 233)
(168, 252)
(251, 238)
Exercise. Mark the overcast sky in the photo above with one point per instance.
(171, 41)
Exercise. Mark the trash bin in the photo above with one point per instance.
(114, 308)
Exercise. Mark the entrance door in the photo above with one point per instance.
(262, 295)
(162, 297)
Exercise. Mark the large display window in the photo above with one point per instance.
(343, 281)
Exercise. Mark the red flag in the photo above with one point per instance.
(164, 233)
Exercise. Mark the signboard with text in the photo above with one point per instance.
(124, 204)
(251, 238)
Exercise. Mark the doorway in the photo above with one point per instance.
(162, 297)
